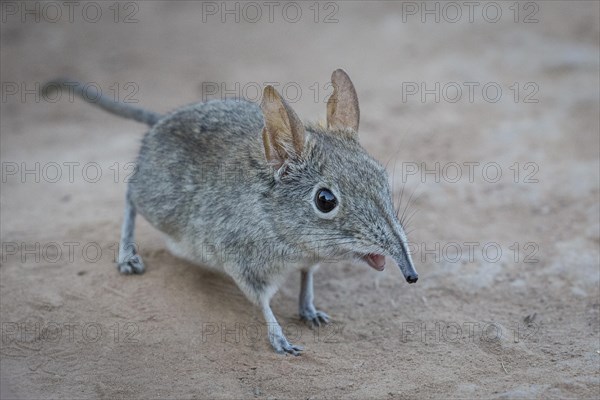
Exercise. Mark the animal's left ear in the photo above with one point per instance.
(342, 107)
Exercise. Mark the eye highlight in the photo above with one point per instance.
(325, 200)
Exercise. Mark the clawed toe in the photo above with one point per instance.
(315, 319)
(293, 350)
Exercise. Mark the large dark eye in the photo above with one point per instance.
(325, 200)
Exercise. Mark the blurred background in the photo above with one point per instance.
(486, 112)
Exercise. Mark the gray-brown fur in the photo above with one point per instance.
(236, 194)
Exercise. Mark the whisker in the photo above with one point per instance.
(408, 203)
(400, 199)
(409, 219)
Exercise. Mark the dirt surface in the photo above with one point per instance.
(478, 324)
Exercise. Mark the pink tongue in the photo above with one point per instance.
(376, 261)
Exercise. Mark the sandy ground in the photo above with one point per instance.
(478, 324)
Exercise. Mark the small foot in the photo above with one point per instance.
(282, 346)
(133, 265)
(313, 317)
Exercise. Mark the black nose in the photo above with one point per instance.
(412, 278)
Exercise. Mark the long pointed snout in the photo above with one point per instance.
(399, 248)
(408, 269)
(404, 261)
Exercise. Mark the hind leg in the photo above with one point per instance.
(129, 261)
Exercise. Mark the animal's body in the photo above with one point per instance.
(250, 191)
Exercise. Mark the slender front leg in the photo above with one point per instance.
(276, 336)
(260, 294)
(308, 312)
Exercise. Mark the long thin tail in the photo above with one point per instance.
(91, 95)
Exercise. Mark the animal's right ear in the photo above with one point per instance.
(283, 134)
(342, 107)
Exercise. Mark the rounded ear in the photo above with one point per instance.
(283, 134)
(342, 107)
